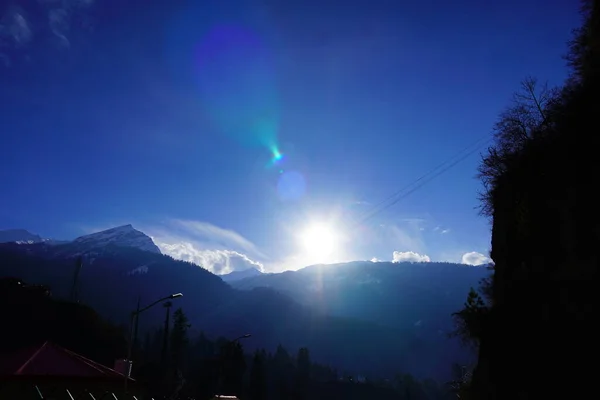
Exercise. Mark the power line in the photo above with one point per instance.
(423, 179)
(398, 192)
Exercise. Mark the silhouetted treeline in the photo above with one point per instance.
(183, 364)
(199, 367)
(31, 316)
(536, 334)
(370, 303)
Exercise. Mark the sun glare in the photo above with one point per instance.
(319, 242)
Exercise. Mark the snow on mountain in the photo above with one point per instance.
(125, 236)
(237, 275)
(139, 270)
(54, 242)
(20, 236)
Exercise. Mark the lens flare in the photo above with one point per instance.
(291, 186)
(226, 53)
(235, 78)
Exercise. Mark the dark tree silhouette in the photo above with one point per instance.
(526, 118)
(233, 366)
(179, 339)
(583, 57)
(258, 376)
(302, 374)
(469, 319)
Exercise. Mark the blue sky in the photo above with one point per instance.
(169, 114)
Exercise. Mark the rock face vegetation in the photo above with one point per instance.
(540, 178)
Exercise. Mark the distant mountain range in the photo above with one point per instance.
(19, 236)
(365, 317)
(124, 236)
(239, 275)
(403, 295)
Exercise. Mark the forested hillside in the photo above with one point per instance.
(112, 279)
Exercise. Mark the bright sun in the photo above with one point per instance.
(319, 241)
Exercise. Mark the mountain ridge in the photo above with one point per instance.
(124, 235)
(241, 274)
(213, 306)
(19, 235)
(272, 315)
(415, 297)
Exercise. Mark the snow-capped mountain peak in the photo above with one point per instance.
(125, 236)
(20, 236)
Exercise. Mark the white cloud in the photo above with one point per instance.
(227, 238)
(58, 19)
(17, 30)
(217, 261)
(403, 256)
(217, 249)
(441, 230)
(14, 26)
(475, 258)
(375, 259)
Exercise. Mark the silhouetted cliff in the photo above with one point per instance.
(539, 333)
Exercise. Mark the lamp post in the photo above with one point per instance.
(163, 352)
(135, 317)
(247, 335)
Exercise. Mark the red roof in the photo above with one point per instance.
(50, 359)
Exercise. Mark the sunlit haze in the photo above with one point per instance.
(320, 242)
(216, 127)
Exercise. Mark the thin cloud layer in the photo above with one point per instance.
(23, 25)
(224, 237)
(216, 249)
(475, 258)
(441, 230)
(410, 256)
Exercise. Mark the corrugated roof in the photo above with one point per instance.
(50, 359)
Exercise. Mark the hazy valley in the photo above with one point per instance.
(369, 318)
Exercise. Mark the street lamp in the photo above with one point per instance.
(135, 317)
(247, 335)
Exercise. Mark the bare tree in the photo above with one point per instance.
(528, 116)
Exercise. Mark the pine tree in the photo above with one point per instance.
(469, 321)
(179, 339)
(258, 377)
(282, 363)
(302, 373)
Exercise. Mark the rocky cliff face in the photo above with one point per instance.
(538, 337)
